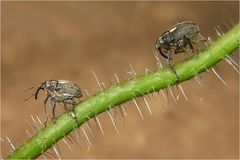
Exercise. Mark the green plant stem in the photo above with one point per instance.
(125, 91)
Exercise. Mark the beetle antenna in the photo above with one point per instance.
(29, 97)
(28, 89)
(36, 94)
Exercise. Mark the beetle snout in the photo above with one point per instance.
(158, 43)
(36, 94)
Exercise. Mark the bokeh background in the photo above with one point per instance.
(66, 40)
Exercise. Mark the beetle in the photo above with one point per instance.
(176, 39)
(58, 91)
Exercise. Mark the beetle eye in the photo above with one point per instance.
(160, 40)
(47, 84)
(158, 43)
(167, 38)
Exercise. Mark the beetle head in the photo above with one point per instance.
(164, 40)
(47, 85)
(41, 87)
(159, 43)
(167, 37)
(36, 93)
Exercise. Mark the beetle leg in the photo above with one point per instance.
(45, 109)
(203, 39)
(65, 106)
(71, 111)
(189, 42)
(192, 49)
(69, 101)
(73, 105)
(195, 41)
(160, 51)
(191, 46)
(79, 100)
(74, 102)
(177, 50)
(169, 62)
(53, 112)
(180, 51)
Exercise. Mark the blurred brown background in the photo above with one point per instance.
(66, 40)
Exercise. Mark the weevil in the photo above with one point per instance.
(176, 39)
(58, 91)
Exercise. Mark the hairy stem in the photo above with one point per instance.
(125, 91)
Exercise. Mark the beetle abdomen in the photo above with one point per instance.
(188, 29)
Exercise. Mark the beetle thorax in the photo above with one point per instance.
(49, 85)
(167, 38)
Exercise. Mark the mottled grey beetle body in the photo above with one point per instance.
(58, 91)
(184, 30)
(176, 39)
